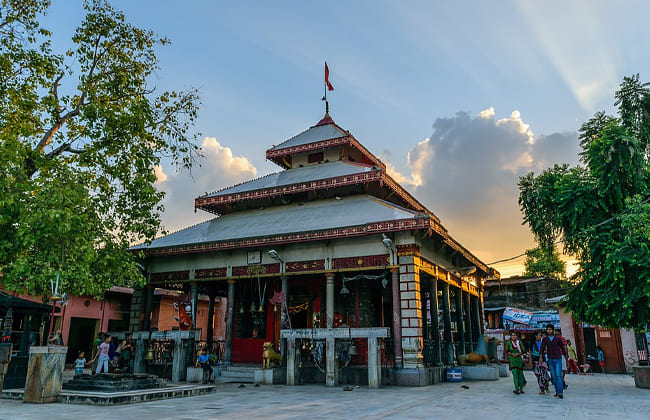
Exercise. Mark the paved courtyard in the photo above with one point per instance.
(588, 397)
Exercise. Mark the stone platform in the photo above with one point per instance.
(121, 397)
(111, 382)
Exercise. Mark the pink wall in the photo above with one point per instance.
(163, 316)
(87, 307)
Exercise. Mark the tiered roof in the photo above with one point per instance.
(342, 190)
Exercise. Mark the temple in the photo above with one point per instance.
(330, 241)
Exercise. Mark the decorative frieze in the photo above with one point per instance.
(255, 270)
(206, 273)
(299, 266)
(408, 249)
(380, 260)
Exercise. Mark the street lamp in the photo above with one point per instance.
(388, 244)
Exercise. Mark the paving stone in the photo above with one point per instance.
(592, 397)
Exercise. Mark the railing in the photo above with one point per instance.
(428, 352)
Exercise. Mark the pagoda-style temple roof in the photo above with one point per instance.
(325, 134)
(314, 134)
(291, 181)
(316, 220)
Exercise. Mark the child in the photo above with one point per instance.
(102, 355)
(601, 359)
(204, 360)
(80, 363)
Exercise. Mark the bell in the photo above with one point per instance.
(149, 354)
(275, 308)
(352, 350)
(261, 308)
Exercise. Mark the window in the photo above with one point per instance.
(315, 157)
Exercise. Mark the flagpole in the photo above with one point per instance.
(327, 105)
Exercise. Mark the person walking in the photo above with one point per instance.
(515, 350)
(540, 369)
(554, 349)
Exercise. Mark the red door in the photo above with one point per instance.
(610, 341)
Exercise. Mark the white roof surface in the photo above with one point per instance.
(292, 218)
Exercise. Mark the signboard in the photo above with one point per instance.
(517, 315)
(541, 319)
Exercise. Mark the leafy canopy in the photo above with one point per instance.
(544, 262)
(601, 212)
(81, 132)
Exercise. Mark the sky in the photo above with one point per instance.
(459, 98)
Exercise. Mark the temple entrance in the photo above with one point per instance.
(82, 339)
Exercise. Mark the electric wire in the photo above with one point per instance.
(584, 231)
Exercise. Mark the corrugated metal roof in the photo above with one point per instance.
(312, 216)
(296, 175)
(312, 135)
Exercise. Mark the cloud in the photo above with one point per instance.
(467, 171)
(402, 179)
(161, 176)
(220, 168)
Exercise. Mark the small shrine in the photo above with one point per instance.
(330, 241)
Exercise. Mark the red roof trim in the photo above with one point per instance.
(276, 155)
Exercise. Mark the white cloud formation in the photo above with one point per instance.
(161, 176)
(220, 168)
(467, 174)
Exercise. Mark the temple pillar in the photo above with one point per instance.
(229, 321)
(469, 347)
(397, 318)
(285, 292)
(481, 311)
(136, 315)
(411, 311)
(460, 324)
(446, 320)
(284, 322)
(212, 295)
(331, 371)
(194, 296)
(329, 299)
(477, 317)
(148, 303)
(435, 323)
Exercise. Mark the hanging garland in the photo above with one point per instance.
(298, 308)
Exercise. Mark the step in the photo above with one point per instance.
(237, 374)
(123, 397)
(250, 369)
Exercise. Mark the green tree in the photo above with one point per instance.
(80, 135)
(544, 262)
(601, 213)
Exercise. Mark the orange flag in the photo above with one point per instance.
(327, 78)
